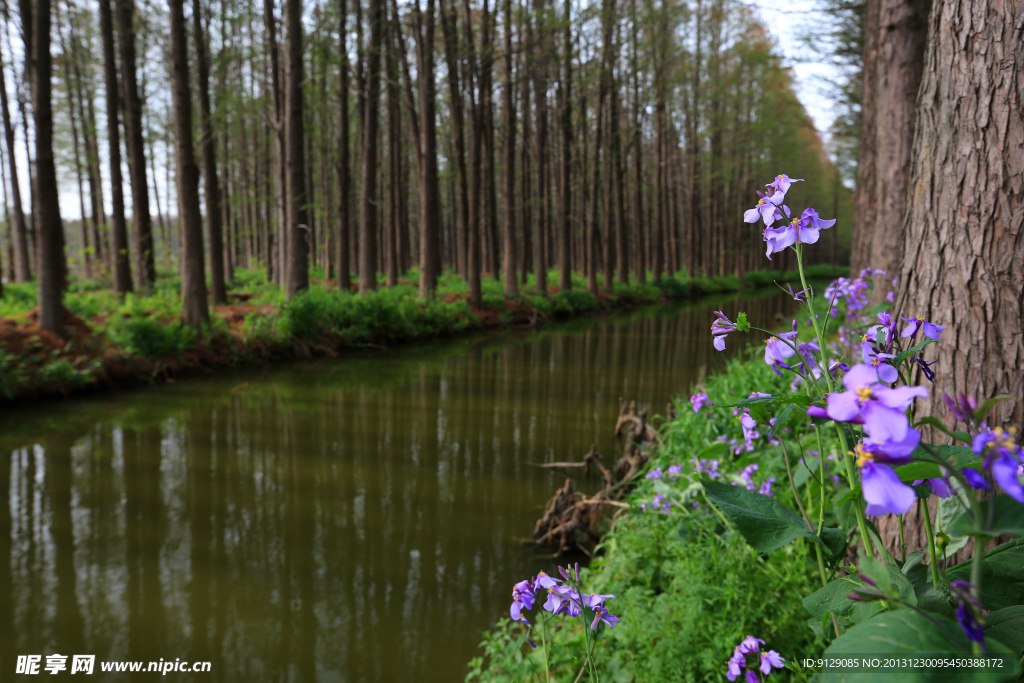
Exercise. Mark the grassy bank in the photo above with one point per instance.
(112, 341)
(688, 588)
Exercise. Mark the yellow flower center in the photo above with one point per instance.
(1005, 438)
(865, 337)
(875, 361)
(761, 202)
(863, 394)
(863, 456)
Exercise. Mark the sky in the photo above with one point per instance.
(787, 22)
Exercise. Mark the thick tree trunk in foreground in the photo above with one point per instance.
(193, 285)
(963, 264)
(119, 230)
(51, 243)
(134, 141)
(963, 235)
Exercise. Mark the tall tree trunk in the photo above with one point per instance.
(540, 89)
(449, 27)
(280, 163)
(371, 116)
(22, 261)
(51, 246)
(119, 256)
(135, 143)
(193, 286)
(344, 165)
(298, 231)
(903, 27)
(508, 269)
(209, 147)
(565, 185)
(864, 206)
(430, 193)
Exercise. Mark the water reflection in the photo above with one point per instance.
(359, 519)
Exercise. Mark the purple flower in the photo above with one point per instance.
(939, 486)
(777, 350)
(767, 208)
(798, 296)
(879, 408)
(926, 368)
(1003, 458)
(720, 328)
(699, 400)
(967, 608)
(771, 659)
(810, 226)
(962, 408)
(782, 183)
(709, 468)
(886, 372)
(976, 479)
(749, 645)
(883, 491)
(655, 474)
(675, 471)
(766, 487)
(931, 330)
(523, 595)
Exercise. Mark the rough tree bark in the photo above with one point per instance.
(193, 285)
(508, 268)
(963, 234)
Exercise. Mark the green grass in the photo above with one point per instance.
(688, 589)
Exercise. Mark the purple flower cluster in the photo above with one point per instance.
(750, 649)
(1004, 461)
(802, 229)
(890, 438)
(700, 399)
(562, 598)
(708, 467)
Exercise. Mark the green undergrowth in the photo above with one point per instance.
(688, 588)
(147, 325)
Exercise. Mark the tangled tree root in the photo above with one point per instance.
(571, 519)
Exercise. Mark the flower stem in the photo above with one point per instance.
(926, 515)
(544, 644)
(826, 375)
(858, 503)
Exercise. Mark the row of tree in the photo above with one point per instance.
(621, 139)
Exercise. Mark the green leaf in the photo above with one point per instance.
(890, 579)
(831, 599)
(1002, 582)
(1007, 626)
(765, 523)
(982, 411)
(907, 632)
(715, 450)
(938, 424)
(741, 322)
(795, 399)
(912, 350)
(1007, 519)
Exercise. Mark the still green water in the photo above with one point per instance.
(352, 519)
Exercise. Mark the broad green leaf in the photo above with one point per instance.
(907, 632)
(912, 350)
(765, 523)
(1002, 583)
(831, 599)
(960, 456)
(1007, 626)
(890, 579)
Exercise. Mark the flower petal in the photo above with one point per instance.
(883, 490)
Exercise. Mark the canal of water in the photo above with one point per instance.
(353, 519)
